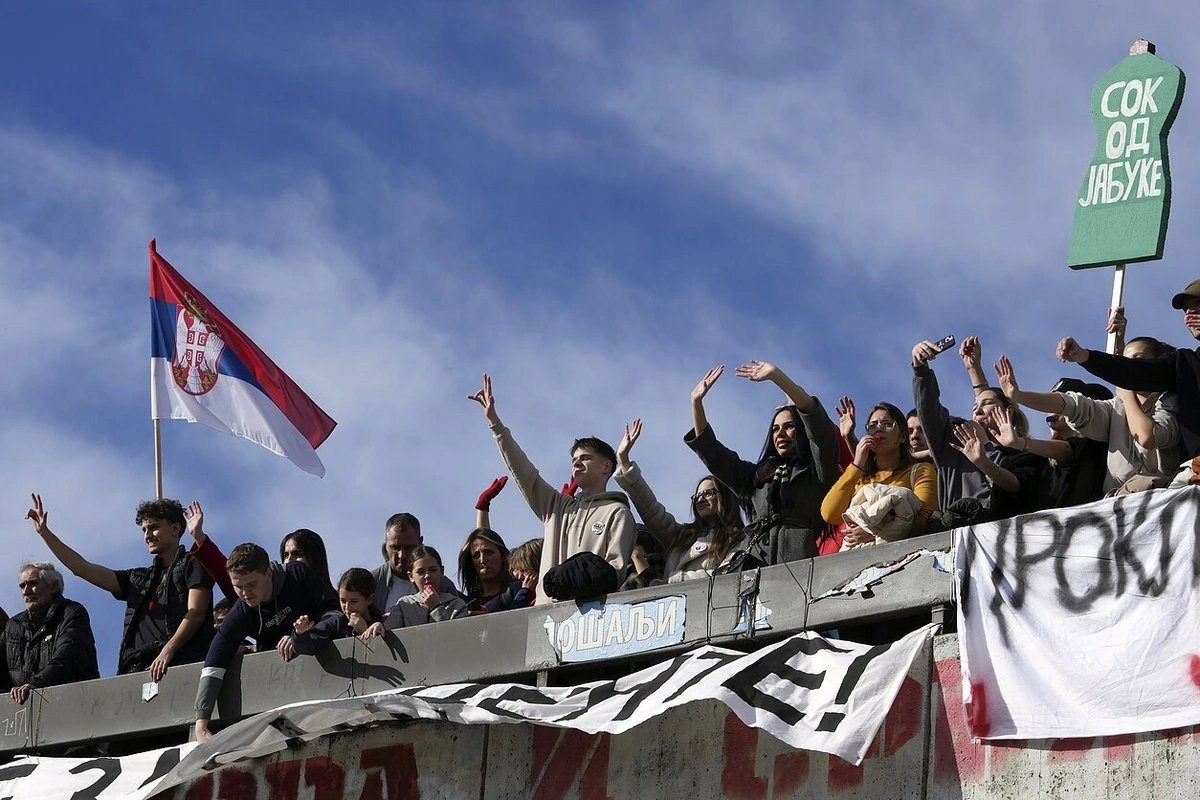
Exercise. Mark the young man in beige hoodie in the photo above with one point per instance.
(593, 520)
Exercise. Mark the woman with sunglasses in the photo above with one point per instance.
(882, 456)
(693, 549)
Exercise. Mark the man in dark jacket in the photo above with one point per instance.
(271, 597)
(50, 642)
(168, 605)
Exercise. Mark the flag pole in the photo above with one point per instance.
(157, 462)
(157, 433)
(1118, 295)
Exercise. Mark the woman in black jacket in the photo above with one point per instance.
(782, 491)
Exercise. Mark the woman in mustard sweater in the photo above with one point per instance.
(882, 456)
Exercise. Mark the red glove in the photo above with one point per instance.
(569, 488)
(484, 503)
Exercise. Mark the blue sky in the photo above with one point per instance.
(593, 202)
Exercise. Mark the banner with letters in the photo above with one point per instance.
(1082, 622)
(810, 692)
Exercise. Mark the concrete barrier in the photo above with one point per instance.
(703, 751)
(698, 751)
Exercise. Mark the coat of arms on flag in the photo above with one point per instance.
(198, 348)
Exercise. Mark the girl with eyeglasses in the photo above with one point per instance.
(882, 456)
(693, 549)
(782, 490)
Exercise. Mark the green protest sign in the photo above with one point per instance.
(1122, 208)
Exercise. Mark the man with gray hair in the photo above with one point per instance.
(51, 641)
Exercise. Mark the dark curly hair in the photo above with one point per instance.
(165, 509)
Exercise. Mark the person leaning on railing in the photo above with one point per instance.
(51, 641)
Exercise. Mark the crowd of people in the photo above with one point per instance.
(816, 487)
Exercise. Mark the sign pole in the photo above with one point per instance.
(1117, 301)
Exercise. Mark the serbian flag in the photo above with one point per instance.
(203, 369)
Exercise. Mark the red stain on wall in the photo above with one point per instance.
(738, 778)
(201, 789)
(594, 783)
(558, 755)
(955, 756)
(740, 781)
(1118, 748)
(234, 784)
(283, 778)
(791, 773)
(1194, 669)
(903, 722)
(326, 778)
(844, 776)
(398, 780)
(977, 711)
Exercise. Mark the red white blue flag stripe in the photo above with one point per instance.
(204, 369)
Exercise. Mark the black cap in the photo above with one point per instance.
(1192, 292)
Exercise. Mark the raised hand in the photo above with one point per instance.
(1007, 377)
(1000, 419)
(1069, 350)
(707, 382)
(923, 353)
(195, 521)
(632, 431)
(973, 438)
(484, 503)
(485, 398)
(971, 352)
(302, 625)
(757, 371)
(38, 515)
(846, 417)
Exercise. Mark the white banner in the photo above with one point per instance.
(810, 692)
(1082, 622)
